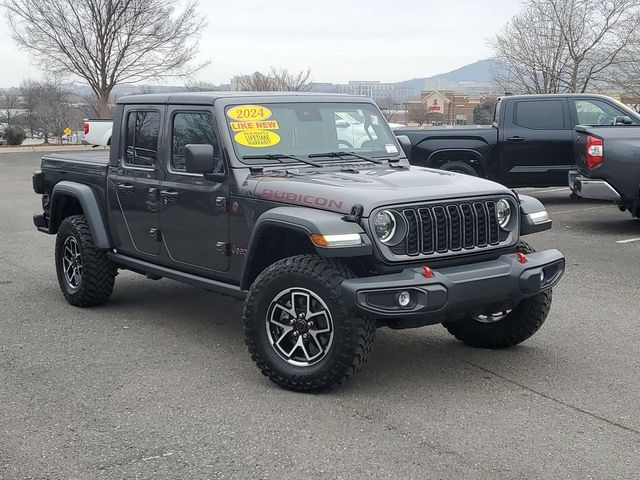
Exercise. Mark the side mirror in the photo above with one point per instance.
(623, 120)
(405, 143)
(200, 158)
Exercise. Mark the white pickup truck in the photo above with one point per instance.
(97, 131)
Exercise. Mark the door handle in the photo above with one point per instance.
(515, 139)
(169, 195)
(126, 187)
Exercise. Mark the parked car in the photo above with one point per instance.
(97, 131)
(251, 195)
(530, 143)
(608, 165)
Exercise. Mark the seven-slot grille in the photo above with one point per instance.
(441, 229)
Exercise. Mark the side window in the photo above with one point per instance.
(540, 115)
(597, 112)
(190, 127)
(143, 128)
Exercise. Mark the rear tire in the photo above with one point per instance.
(460, 167)
(85, 274)
(282, 302)
(506, 330)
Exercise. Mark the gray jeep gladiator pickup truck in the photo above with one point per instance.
(256, 196)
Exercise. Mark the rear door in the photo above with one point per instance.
(536, 142)
(194, 216)
(135, 182)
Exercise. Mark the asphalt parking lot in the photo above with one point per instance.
(158, 383)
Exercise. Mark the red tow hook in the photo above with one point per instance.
(522, 258)
(427, 272)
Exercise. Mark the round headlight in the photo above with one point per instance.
(384, 226)
(503, 211)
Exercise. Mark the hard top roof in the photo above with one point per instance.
(553, 95)
(208, 98)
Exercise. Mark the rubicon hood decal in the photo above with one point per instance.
(371, 187)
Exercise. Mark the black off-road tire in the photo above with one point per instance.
(98, 272)
(353, 335)
(517, 326)
(460, 167)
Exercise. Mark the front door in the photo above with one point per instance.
(194, 219)
(536, 143)
(136, 184)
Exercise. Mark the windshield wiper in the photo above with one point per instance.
(279, 157)
(345, 154)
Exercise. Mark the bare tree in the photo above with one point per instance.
(52, 112)
(108, 42)
(418, 112)
(627, 77)
(29, 93)
(10, 106)
(199, 86)
(277, 80)
(558, 46)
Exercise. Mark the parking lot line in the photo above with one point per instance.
(580, 210)
(629, 240)
(545, 190)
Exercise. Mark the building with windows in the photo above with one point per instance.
(442, 107)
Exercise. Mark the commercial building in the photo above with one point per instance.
(443, 107)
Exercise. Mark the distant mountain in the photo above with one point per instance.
(478, 72)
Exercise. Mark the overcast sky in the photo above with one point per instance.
(339, 40)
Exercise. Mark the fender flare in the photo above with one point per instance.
(528, 225)
(89, 203)
(477, 156)
(306, 221)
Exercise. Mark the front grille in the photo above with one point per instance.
(450, 228)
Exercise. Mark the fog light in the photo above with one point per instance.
(541, 276)
(404, 299)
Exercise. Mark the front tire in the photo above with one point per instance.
(85, 274)
(297, 329)
(459, 167)
(508, 328)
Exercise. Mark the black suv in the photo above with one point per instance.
(306, 207)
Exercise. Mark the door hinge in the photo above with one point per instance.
(221, 202)
(224, 248)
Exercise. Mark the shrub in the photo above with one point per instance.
(14, 135)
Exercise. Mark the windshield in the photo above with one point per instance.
(302, 129)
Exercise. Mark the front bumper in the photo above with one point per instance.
(592, 188)
(484, 287)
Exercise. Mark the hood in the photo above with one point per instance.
(371, 187)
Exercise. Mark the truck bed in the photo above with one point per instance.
(87, 167)
(620, 166)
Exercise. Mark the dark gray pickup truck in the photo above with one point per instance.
(257, 196)
(608, 165)
(530, 143)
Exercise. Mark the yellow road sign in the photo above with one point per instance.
(67, 131)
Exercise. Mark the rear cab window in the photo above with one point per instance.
(141, 138)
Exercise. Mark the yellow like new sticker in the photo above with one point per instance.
(247, 113)
(257, 138)
(260, 125)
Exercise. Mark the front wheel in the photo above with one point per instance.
(297, 329)
(505, 328)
